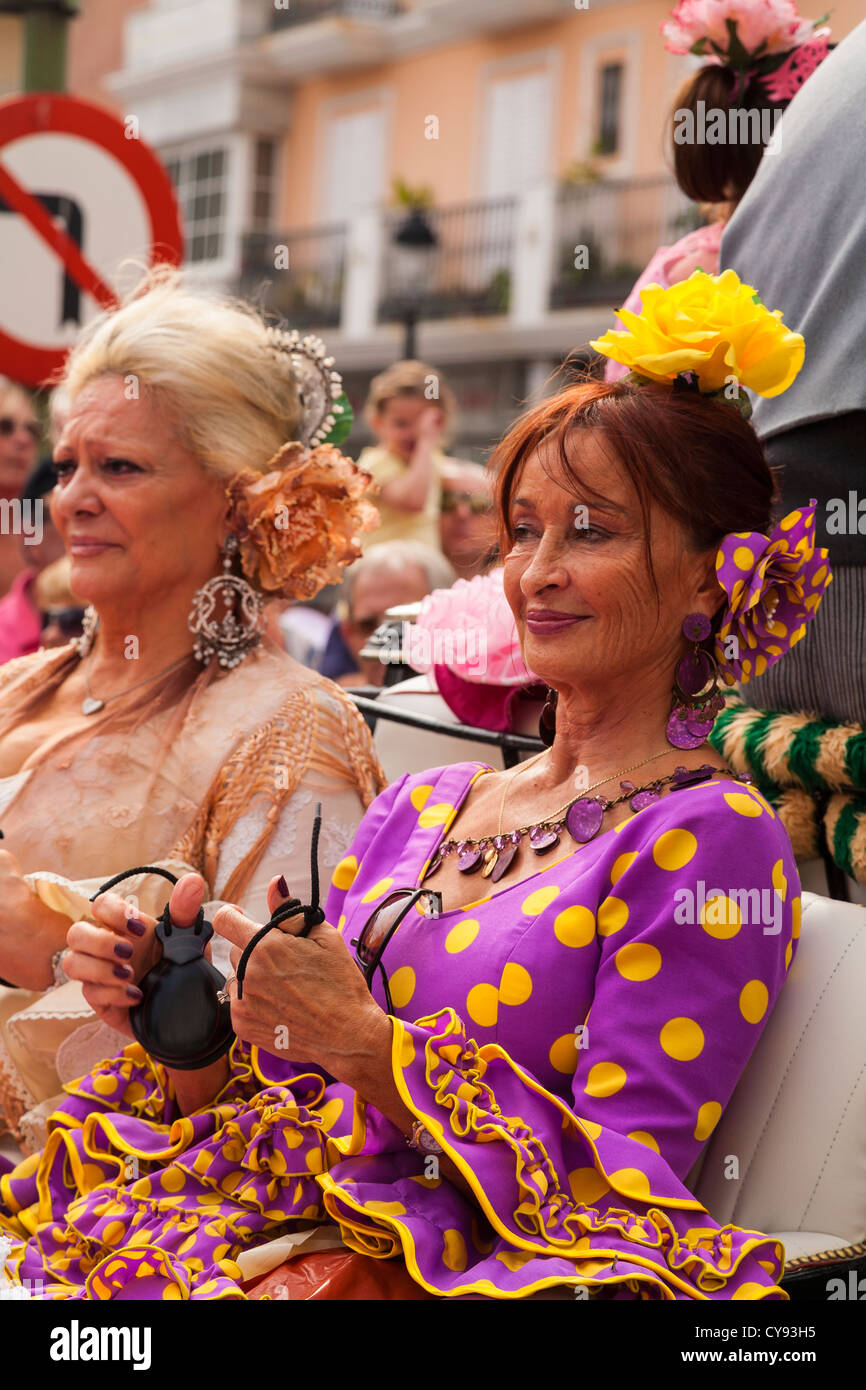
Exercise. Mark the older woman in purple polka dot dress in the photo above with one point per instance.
(516, 1102)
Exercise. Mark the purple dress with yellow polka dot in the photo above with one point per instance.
(570, 1040)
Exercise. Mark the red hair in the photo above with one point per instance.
(697, 459)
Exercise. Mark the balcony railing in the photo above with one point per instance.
(305, 11)
(605, 233)
(298, 275)
(551, 249)
(469, 272)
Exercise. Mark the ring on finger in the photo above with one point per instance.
(223, 995)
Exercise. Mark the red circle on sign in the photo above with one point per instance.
(48, 112)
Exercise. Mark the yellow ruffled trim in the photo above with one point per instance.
(380, 1234)
(649, 1230)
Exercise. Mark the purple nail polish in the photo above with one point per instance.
(134, 994)
(282, 886)
(124, 950)
(136, 926)
(122, 972)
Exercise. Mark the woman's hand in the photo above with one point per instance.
(304, 997)
(111, 958)
(30, 932)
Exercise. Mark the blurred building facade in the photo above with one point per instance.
(531, 132)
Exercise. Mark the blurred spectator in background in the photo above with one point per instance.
(466, 525)
(20, 433)
(386, 577)
(61, 612)
(38, 549)
(411, 410)
(813, 267)
(717, 175)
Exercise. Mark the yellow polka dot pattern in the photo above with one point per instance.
(682, 1039)
(612, 916)
(515, 986)
(605, 1079)
(378, 890)
(292, 1163)
(419, 796)
(454, 1253)
(709, 1115)
(642, 1136)
(483, 999)
(482, 1005)
(402, 986)
(620, 864)
(720, 917)
(563, 1054)
(638, 961)
(575, 926)
(536, 902)
(462, 935)
(743, 804)
(754, 999)
(674, 849)
(632, 1182)
(345, 873)
(587, 1185)
(105, 1085)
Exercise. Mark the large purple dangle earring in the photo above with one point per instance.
(697, 700)
(547, 720)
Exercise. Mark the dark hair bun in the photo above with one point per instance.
(710, 173)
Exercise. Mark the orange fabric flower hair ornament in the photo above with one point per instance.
(298, 523)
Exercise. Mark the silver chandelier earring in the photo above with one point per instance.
(227, 617)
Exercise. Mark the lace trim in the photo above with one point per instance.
(15, 1098)
(244, 835)
(34, 1125)
(83, 1048)
(315, 728)
(11, 786)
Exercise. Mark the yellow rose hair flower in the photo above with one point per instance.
(713, 327)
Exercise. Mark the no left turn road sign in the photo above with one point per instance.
(80, 195)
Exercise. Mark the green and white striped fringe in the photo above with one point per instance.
(812, 772)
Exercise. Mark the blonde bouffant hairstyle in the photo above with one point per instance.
(205, 359)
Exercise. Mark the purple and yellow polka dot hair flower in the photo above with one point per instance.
(775, 584)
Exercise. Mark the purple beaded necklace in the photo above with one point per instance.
(582, 818)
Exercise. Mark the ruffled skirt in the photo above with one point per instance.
(130, 1199)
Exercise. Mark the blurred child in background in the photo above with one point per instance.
(411, 410)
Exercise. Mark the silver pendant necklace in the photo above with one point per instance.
(91, 705)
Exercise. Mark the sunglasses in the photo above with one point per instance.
(8, 426)
(69, 620)
(475, 501)
(381, 926)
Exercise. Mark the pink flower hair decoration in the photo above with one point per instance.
(774, 585)
(767, 40)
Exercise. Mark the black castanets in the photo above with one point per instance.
(180, 1020)
(184, 1017)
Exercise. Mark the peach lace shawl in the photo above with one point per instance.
(231, 796)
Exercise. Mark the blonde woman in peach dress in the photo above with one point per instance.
(129, 749)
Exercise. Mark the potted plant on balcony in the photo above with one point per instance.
(581, 171)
